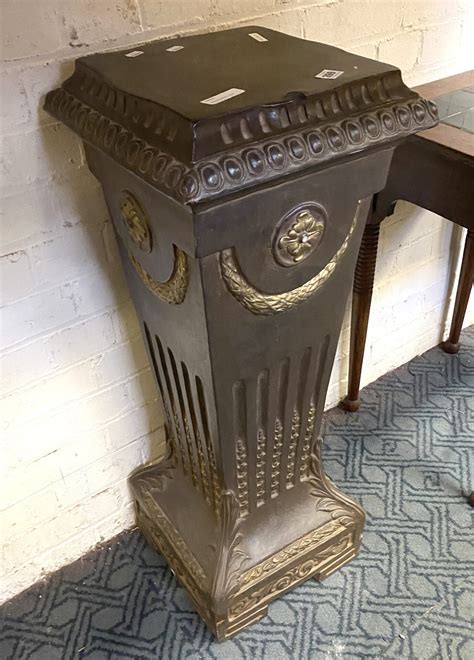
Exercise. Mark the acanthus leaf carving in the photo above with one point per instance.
(154, 475)
(230, 557)
(173, 291)
(328, 497)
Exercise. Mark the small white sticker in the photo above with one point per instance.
(257, 36)
(174, 49)
(329, 74)
(134, 53)
(223, 96)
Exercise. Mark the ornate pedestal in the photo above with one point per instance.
(239, 172)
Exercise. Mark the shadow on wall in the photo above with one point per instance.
(80, 202)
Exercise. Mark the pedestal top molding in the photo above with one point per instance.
(204, 116)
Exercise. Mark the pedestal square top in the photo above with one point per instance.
(216, 74)
(205, 115)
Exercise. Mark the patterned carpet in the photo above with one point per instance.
(407, 456)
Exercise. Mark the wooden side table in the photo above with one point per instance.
(435, 170)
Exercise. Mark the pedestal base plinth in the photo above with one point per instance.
(233, 566)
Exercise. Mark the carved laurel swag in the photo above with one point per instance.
(173, 291)
(266, 304)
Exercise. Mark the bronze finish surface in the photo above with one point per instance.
(239, 196)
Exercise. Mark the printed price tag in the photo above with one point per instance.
(329, 74)
(174, 49)
(257, 36)
(223, 96)
(134, 53)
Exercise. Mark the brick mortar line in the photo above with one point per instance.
(15, 189)
(63, 370)
(58, 511)
(130, 40)
(60, 328)
(67, 53)
(48, 289)
(84, 469)
(105, 428)
(80, 319)
(86, 397)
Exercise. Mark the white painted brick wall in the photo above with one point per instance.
(79, 410)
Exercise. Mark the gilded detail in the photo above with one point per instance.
(161, 534)
(282, 582)
(242, 477)
(173, 538)
(203, 468)
(301, 238)
(308, 439)
(173, 291)
(276, 459)
(136, 222)
(190, 441)
(261, 303)
(216, 485)
(230, 557)
(182, 450)
(260, 466)
(295, 435)
(327, 497)
(301, 546)
(189, 444)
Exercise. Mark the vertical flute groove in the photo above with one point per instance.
(174, 415)
(202, 408)
(202, 463)
(170, 436)
(181, 418)
(313, 406)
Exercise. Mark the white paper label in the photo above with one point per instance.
(257, 36)
(134, 53)
(174, 49)
(329, 74)
(223, 96)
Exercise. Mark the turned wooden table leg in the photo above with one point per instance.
(361, 299)
(466, 277)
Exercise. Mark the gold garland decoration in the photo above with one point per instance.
(266, 304)
(173, 291)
